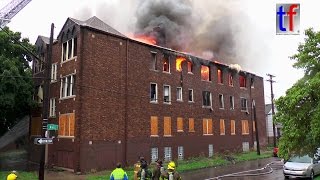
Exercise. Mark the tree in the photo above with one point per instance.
(16, 87)
(299, 109)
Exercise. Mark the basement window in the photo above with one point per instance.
(207, 101)
(179, 93)
(166, 65)
(154, 154)
(242, 81)
(220, 76)
(167, 154)
(221, 101)
(205, 73)
(180, 153)
(190, 67)
(153, 61)
(230, 79)
(153, 92)
(166, 94)
(244, 104)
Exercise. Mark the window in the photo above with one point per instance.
(39, 63)
(166, 65)
(231, 102)
(68, 86)
(39, 96)
(242, 81)
(153, 92)
(179, 93)
(167, 126)
(254, 126)
(190, 91)
(154, 125)
(244, 105)
(222, 127)
(54, 72)
(233, 127)
(154, 154)
(69, 49)
(210, 150)
(206, 98)
(180, 124)
(207, 126)
(52, 111)
(191, 125)
(220, 76)
(66, 125)
(205, 73)
(252, 82)
(245, 146)
(230, 79)
(221, 101)
(167, 154)
(245, 127)
(166, 94)
(190, 67)
(153, 60)
(179, 61)
(180, 152)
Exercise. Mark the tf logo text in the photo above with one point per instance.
(288, 19)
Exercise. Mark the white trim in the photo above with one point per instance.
(156, 90)
(169, 94)
(181, 94)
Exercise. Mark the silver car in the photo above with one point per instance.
(302, 166)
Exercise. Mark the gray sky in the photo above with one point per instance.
(266, 51)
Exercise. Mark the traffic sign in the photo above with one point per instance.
(52, 127)
(41, 141)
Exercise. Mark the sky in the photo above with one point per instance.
(266, 52)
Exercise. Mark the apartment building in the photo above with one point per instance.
(116, 99)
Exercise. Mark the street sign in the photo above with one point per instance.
(52, 127)
(41, 141)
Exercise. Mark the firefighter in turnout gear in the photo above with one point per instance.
(12, 176)
(171, 173)
(144, 173)
(119, 174)
(137, 167)
(157, 170)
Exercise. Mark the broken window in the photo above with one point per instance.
(230, 79)
(222, 127)
(67, 86)
(179, 93)
(231, 102)
(154, 125)
(220, 76)
(167, 126)
(191, 125)
(180, 124)
(190, 67)
(179, 61)
(52, 109)
(207, 126)
(233, 127)
(244, 105)
(166, 65)
(153, 92)
(221, 102)
(166, 94)
(245, 126)
(190, 95)
(205, 73)
(153, 60)
(252, 82)
(206, 98)
(242, 81)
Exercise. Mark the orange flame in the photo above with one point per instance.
(205, 72)
(179, 61)
(143, 38)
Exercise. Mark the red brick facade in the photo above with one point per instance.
(112, 103)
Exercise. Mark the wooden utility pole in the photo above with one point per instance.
(272, 108)
(46, 100)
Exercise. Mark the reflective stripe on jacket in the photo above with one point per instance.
(118, 174)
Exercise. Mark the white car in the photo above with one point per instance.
(302, 166)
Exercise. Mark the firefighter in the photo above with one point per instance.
(119, 173)
(137, 167)
(158, 170)
(171, 173)
(144, 173)
(12, 176)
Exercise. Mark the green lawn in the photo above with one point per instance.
(21, 175)
(318, 177)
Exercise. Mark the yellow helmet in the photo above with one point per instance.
(171, 165)
(12, 176)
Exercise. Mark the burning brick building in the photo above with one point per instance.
(115, 98)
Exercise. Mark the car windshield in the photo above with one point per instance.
(301, 159)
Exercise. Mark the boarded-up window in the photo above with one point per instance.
(222, 127)
(179, 124)
(66, 124)
(245, 127)
(254, 126)
(207, 126)
(167, 126)
(36, 126)
(191, 125)
(154, 126)
(233, 127)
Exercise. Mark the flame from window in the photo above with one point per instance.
(205, 73)
(179, 61)
(142, 38)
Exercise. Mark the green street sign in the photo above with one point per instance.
(52, 127)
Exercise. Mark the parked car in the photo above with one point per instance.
(302, 166)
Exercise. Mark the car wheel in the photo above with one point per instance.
(312, 175)
(286, 177)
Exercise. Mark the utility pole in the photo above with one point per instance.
(272, 108)
(45, 110)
